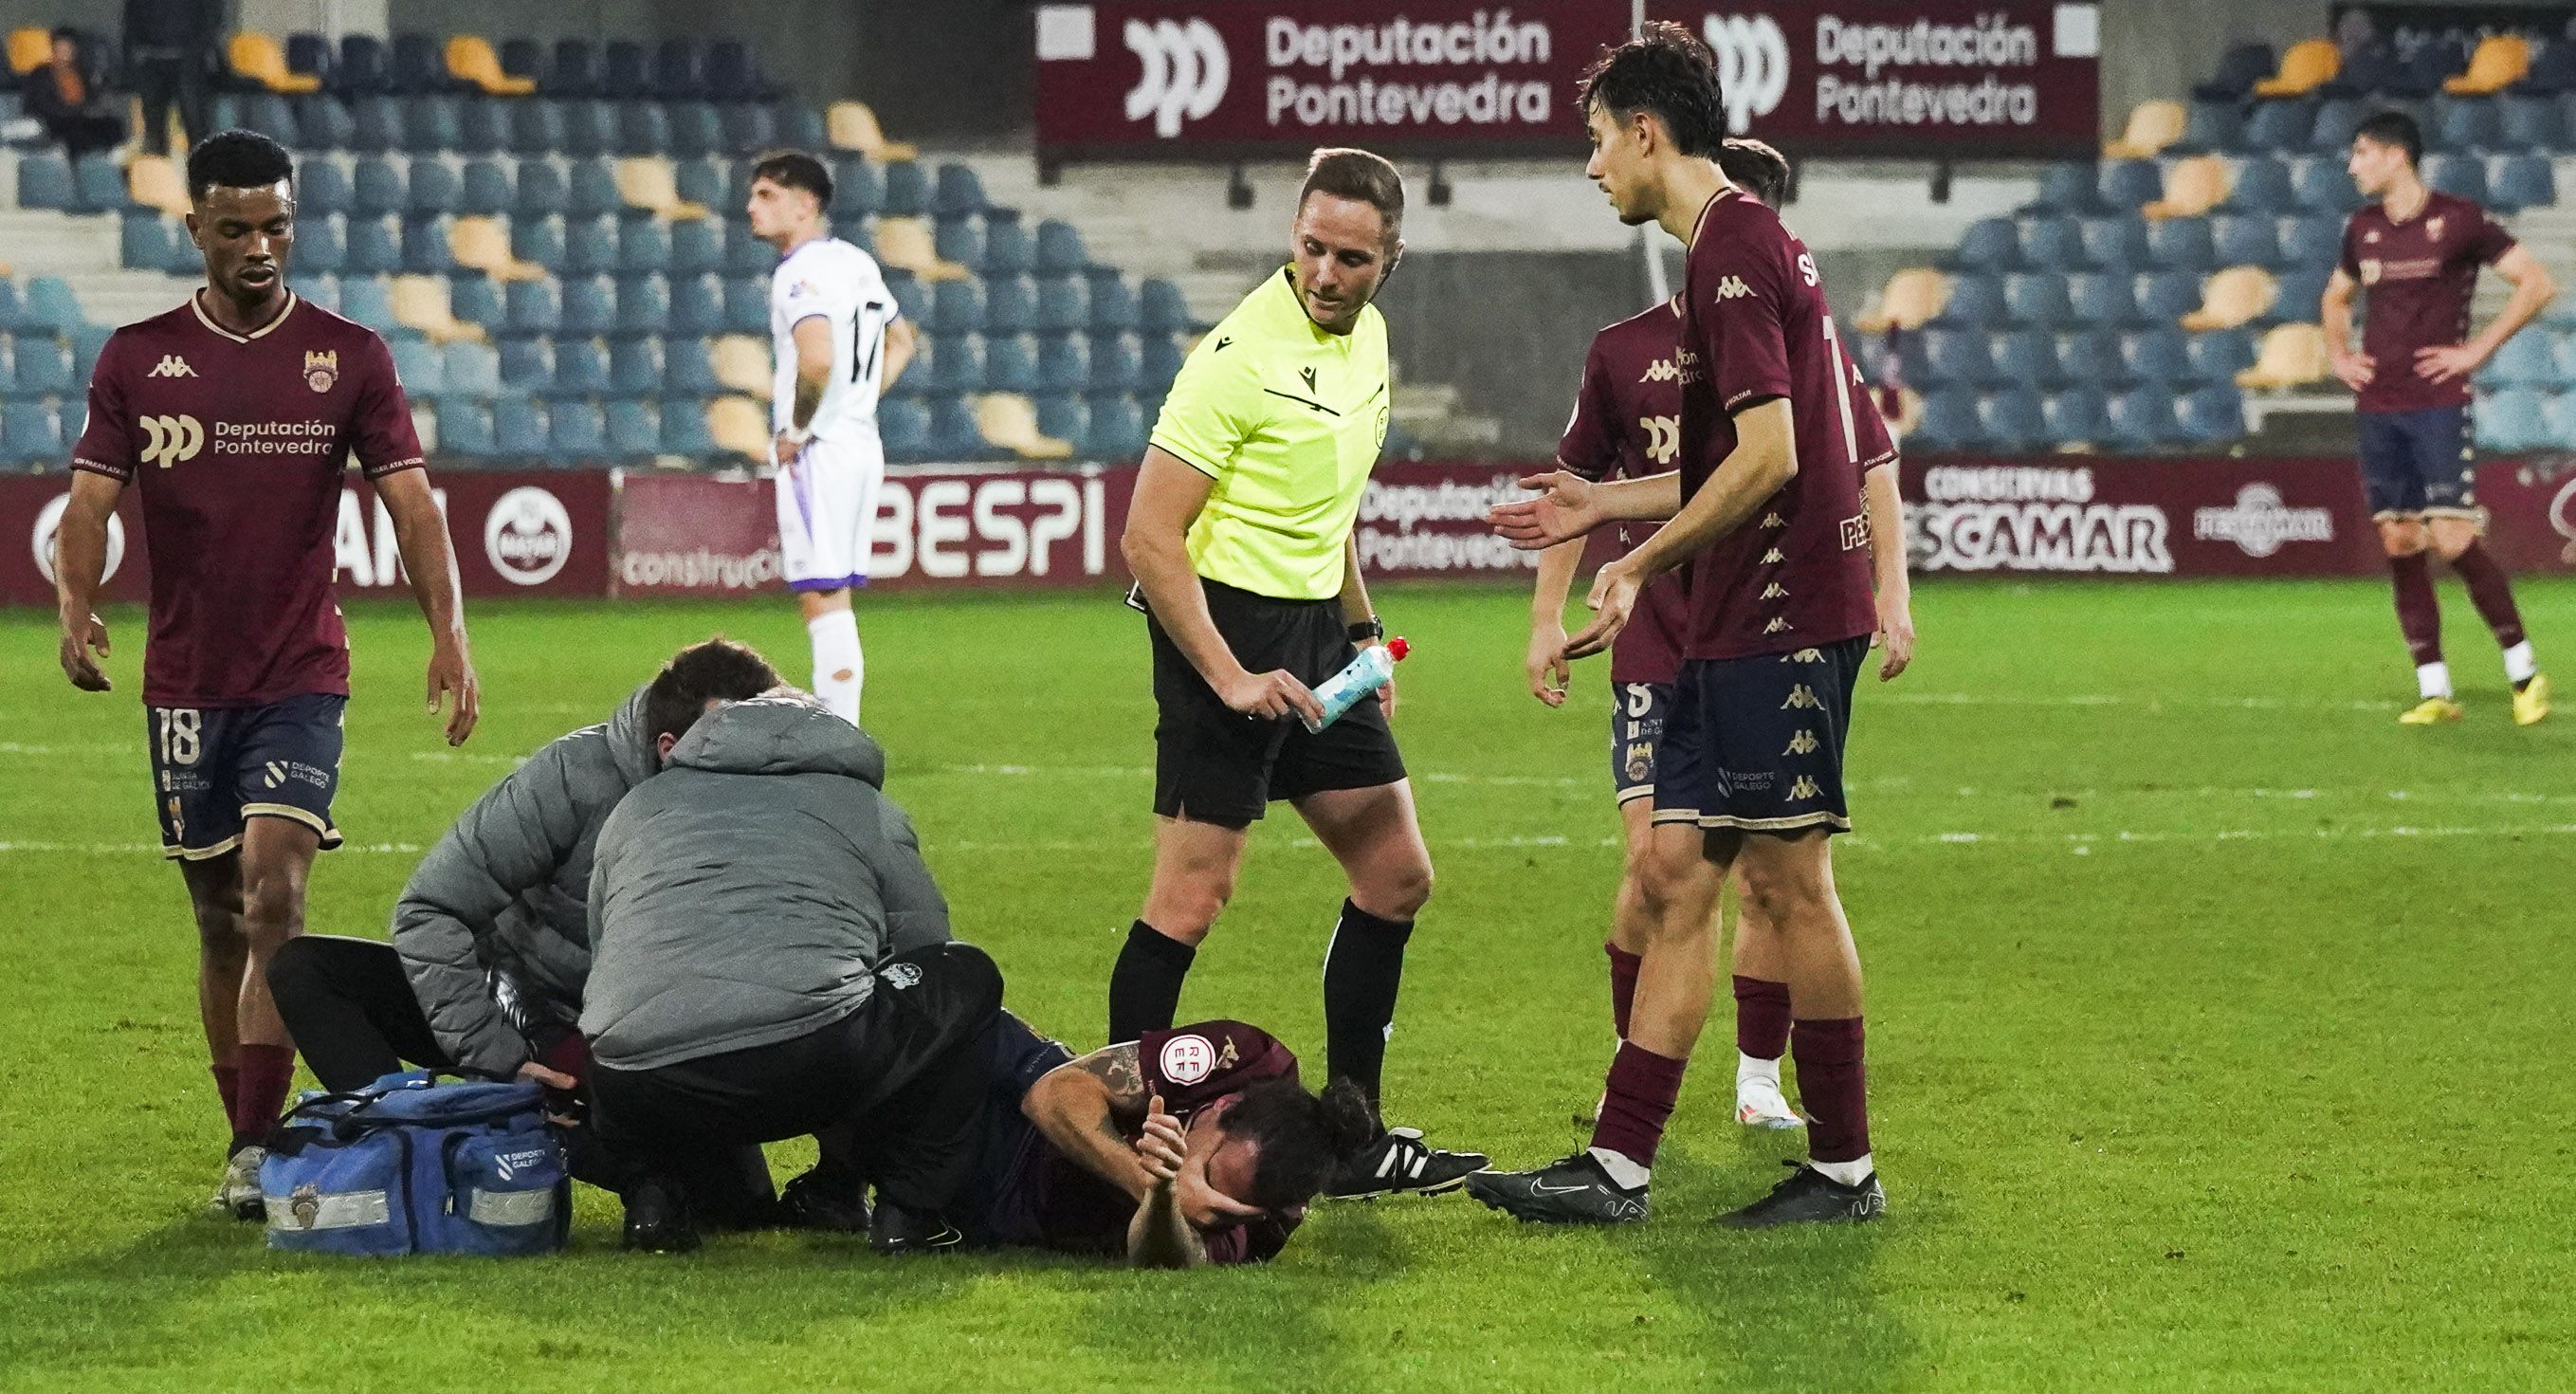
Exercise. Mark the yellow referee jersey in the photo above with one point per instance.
(1287, 420)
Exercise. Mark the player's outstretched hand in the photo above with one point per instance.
(1270, 696)
(1613, 599)
(451, 671)
(83, 638)
(1896, 636)
(2356, 369)
(1564, 510)
(1545, 663)
(2443, 362)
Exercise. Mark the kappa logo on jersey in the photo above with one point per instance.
(1774, 520)
(1733, 288)
(321, 369)
(169, 440)
(1663, 437)
(1803, 743)
(171, 366)
(1187, 1059)
(1802, 698)
(1776, 626)
(1775, 591)
(1805, 788)
(1661, 370)
(1752, 65)
(1772, 557)
(1806, 656)
(1186, 69)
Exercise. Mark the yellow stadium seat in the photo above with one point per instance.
(2192, 187)
(649, 182)
(470, 59)
(2292, 355)
(1912, 297)
(154, 182)
(740, 427)
(742, 363)
(853, 126)
(1010, 421)
(420, 302)
(2152, 127)
(29, 49)
(2310, 64)
(907, 243)
(2499, 62)
(479, 243)
(2236, 296)
(262, 59)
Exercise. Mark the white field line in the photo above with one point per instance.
(2081, 844)
(111, 849)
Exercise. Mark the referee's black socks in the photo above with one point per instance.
(1361, 972)
(1145, 987)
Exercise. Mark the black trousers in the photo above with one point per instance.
(160, 76)
(894, 1091)
(349, 1008)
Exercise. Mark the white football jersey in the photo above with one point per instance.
(831, 278)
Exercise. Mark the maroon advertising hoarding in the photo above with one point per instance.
(1958, 79)
(514, 534)
(2191, 518)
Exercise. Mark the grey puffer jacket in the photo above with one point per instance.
(501, 904)
(742, 896)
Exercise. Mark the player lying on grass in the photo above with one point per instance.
(491, 945)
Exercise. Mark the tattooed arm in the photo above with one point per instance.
(1085, 1107)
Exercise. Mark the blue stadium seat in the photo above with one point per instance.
(2128, 185)
(2463, 124)
(2115, 243)
(31, 433)
(589, 128)
(2464, 175)
(45, 181)
(44, 366)
(1975, 301)
(2262, 186)
(464, 428)
(2533, 124)
(590, 246)
(747, 305)
(697, 306)
(50, 304)
(1117, 364)
(2210, 128)
(2089, 358)
(903, 426)
(634, 430)
(643, 128)
(697, 246)
(635, 367)
(2553, 71)
(2143, 418)
(912, 294)
(2219, 355)
(643, 305)
(482, 126)
(957, 364)
(2512, 419)
(1163, 356)
(1065, 417)
(2052, 244)
(2025, 356)
(527, 363)
(273, 116)
(472, 369)
(519, 429)
(1008, 248)
(2368, 68)
(857, 189)
(1165, 309)
(954, 434)
(2012, 420)
(538, 240)
(1117, 430)
(309, 55)
(2246, 241)
(433, 124)
(697, 131)
(484, 189)
(581, 368)
(13, 306)
(369, 300)
(323, 122)
(2076, 416)
(2156, 355)
(1949, 422)
(2424, 70)
(687, 371)
(800, 127)
(677, 72)
(1063, 305)
(1114, 307)
(321, 186)
(375, 126)
(1060, 249)
(589, 306)
(2167, 296)
(88, 341)
(957, 307)
(415, 65)
(1010, 305)
(541, 192)
(958, 193)
(2527, 359)
(536, 129)
(2311, 240)
(143, 242)
(2244, 65)
(2330, 128)
(98, 184)
(1952, 356)
(2563, 353)
(420, 365)
(2039, 300)
(960, 241)
(1990, 245)
(684, 428)
(1064, 363)
(425, 250)
(579, 433)
(2213, 415)
(436, 187)
(377, 188)
(594, 190)
(731, 76)
(1010, 365)
(2302, 288)
(624, 70)
(2522, 181)
(643, 245)
(375, 247)
(750, 126)
(573, 71)
(2065, 187)
(2558, 412)
(534, 307)
(746, 255)
(2280, 126)
(186, 260)
(2181, 244)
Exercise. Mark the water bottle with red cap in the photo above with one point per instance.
(1373, 669)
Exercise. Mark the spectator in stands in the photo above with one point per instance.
(170, 51)
(63, 95)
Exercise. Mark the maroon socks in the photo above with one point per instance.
(1761, 1018)
(2491, 592)
(1623, 984)
(228, 1089)
(1834, 1087)
(2419, 613)
(266, 1072)
(1637, 1102)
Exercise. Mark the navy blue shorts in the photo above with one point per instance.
(213, 768)
(1004, 1195)
(1637, 714)
(1756, 744)
(2418, 464)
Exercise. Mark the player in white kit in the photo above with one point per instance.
(839, 339)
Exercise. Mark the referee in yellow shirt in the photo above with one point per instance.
(1240, 540)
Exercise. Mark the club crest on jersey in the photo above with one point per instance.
(2433, 227)
(321, 369)
(2370, 269)
(1640, 764)
(1187, 1059)
(1663, 437)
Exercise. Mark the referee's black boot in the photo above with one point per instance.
(658, 1218)
(1399, 1161)
(824, 1199)
(896, 1229)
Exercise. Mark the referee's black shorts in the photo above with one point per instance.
(1213, 764)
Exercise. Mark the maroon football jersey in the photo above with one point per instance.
(1191, 1067)
(1628, 422)
(2418, 276)
(238, 443)
(1756, 327)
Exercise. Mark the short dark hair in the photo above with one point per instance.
(1302, 1136)
(2394, 128)
(794, 169)
(237, 159)
(64, 34)
(1763, 171)
(1667, 73)
(1361, 176)
(718, 670)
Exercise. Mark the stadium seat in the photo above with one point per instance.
(957, 307)
(2262, 187)
(589, 305)
(2463, 124)
(2164, 297)
(749, 126)
(1010, 365)
(421, 366)
(143, 242)
(1064, 363)
(2218, 356)
(2330, 129)
(2301, 290)
(31, 433)
(1167, 311)
(464, 428)
(484, 189)
(2181, 244)
(2027, 357)
(1975, 301)
(1990, 245)
(577, 432)
(958, 240)
(731, 76)
(1117, 364)
(1952, 357)
(2192, 186)
(2464, 175)
(706, 183)
(853, 126)
(2153, 125)
(1009, 420)
(2553, 70)
(436, 187)
(903, 425)
(2278, 127)
(643, 128)
(479, 244)
(527, 363)
(697, 246)
(1063, 304)
(696, 131)
(858, 191)
(957, 193)
(740, 426)
(2156, 355)
(2499, 61)
(687, 371)
(50, 304)
(1118, 429)
(2522, 181)
(677, 71)
(2076, 416)
(955, 432)
(2512, 419)
(572, 70)
(2322, 185)
(2242, 67)
(643, 245)
(2144, 417)
(2012, 420)
(2310, 240)
(534, 307)
(2527, 359)
(906, 243)
(376, 188)
(593, 190)
(747, 306)
(743, 365)
(2236, 296)
(635, 366)
(471, 59)
(633, 430)
(746, 255)
(2211, 416)
(697, 306)
(1114, 308)
(519, 429)
(2127, 185)
(323, 122)
(472, 369)
(1950, 422)
(2038, 300)
(2308, 65)
(2290, 356)
(44, 366)
(2210, 128)
(375, 247)
(684, 429)
(2087, 357)
(432, 124)
(13, 306)
(1060, 249)
(2428, 68)
(423, 305)
(154, 182)
(589, 129)
(643, 305)
(368, 300)
(2117, 242)
(2052, 244)
(261, 59)
(45, 181)
(2105, 300)
(2065, 187)
(98, 186)
(590, 246)
(2245, 241)
(1162, 361)
(2558, 413)
(375, 126)
(1066, 418)
(310, 55)
(536, 130)
(2532, 124)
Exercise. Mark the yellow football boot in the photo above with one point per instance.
(2432, 711)
(2532, 702)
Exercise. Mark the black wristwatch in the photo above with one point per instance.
(1368, 629)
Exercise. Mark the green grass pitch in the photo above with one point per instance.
(2217, 1028)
